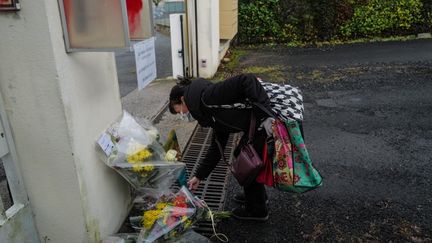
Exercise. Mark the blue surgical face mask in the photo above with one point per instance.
(186, 116)
(190, 117)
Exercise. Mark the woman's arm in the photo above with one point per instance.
(236, 90)
(213, 155)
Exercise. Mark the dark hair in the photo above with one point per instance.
(177, 92)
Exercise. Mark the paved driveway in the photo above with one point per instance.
(368, 127)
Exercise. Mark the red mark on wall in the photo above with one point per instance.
(6, 2)
(134, 8)
(67, 9)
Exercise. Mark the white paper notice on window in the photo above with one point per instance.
(106, 144)
(145, 59)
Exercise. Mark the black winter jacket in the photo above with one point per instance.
(201, 93)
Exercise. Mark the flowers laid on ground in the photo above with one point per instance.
(139, 155)
(173, 215)
(136, 153)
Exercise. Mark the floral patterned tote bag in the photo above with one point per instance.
(292, 167)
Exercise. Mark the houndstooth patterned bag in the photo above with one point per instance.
(286, 101)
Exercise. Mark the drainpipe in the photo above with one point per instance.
(182, 50)
(196, 37)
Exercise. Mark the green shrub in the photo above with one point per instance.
(294, 21)
(258, 21)
(379, 16)
(427, 15)
(429, 21)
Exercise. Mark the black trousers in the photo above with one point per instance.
(255, 193)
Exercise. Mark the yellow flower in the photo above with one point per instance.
(150, 217)
(187, 222)
(144, 154)
(132, 159)
(137, 168)
(139, 156)
(161, 206)
(148, 168)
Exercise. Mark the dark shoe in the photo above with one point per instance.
(242, 214)
(241, 198)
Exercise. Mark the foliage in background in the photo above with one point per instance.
(427, 13)
(380, 16)
(294, 21)
(260, 19)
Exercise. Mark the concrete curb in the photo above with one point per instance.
(149, 102)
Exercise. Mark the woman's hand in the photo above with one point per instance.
(193, 183)
(267, 124)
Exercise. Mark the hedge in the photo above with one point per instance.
(284, 21)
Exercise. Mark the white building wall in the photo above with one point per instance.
(57, 105)
(208, 37)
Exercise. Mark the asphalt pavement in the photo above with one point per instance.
(368, 128)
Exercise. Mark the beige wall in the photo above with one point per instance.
(228, 18)
(57, 105)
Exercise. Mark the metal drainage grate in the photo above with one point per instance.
(212, 191)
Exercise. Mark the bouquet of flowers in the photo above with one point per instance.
(173, 215)
(136, 153)
(187, 237)
(152, 174)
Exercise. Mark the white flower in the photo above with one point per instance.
(171, 155)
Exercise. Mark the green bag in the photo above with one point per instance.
(292, 167)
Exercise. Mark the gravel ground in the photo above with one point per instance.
(368, 127)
